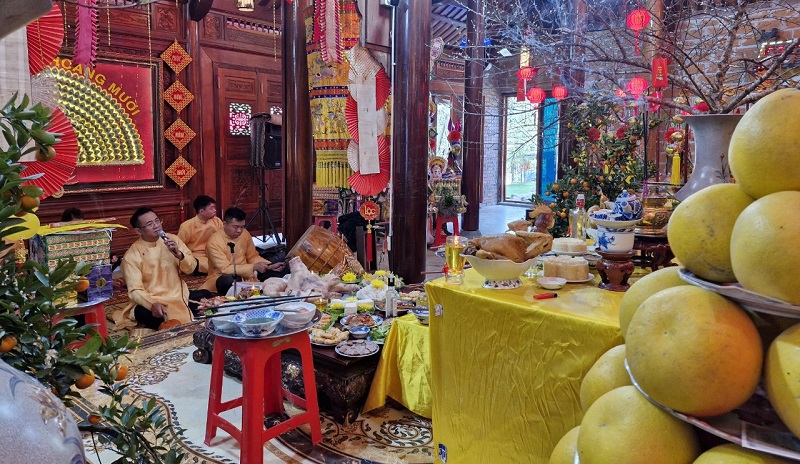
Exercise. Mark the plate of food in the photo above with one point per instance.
(328, 337)
(369, 320)
(578, 281)
(379, 334)
(357, 348)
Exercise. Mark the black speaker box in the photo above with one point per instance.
(265, 143)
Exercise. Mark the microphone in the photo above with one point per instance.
(232, 246)
(162, 234)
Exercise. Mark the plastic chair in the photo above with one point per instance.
(262, 392)
(319, 220)
(438, 233)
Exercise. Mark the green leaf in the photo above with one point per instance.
(91, 346)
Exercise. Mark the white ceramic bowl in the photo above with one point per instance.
(615, 240)
(551, 283)
(297, 320)
(499, 269)
(224, 323)
(423, 315)
(258, 322)
(360, 331)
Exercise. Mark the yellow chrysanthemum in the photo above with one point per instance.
(365, 307)
(351, 298)
(377, 283)
(337, 305)
(381, 273)
(349, 277)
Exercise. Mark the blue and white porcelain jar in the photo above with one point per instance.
(628, 207)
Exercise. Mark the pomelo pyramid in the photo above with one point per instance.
(734, 454)
(564, 452)
(623, 426)
(700, 228)
(763, 153)
(607, 373)
(765, 255)
(782, 377)
(694, 351)
(642, 289)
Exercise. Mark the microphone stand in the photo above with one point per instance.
(236, 277)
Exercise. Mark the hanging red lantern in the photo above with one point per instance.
(659, 74)
(637, 20)
(637, 86)
(536, 95)
(524, 74)
(560, 92)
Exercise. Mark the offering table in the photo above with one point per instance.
(506, 368)
(404, 371)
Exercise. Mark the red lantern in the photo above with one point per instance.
(560, 92)
(637, 20)
(659, 74)
(536, 95)
(637, 86)
(524, 74)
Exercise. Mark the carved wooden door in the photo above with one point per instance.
(243, 93)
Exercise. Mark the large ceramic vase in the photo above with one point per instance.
(712, 134)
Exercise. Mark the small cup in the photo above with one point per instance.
(454, 259)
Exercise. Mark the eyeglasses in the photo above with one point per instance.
(152, 224)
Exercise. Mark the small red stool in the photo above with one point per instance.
(262, 392)
(94, 312)
(438, 233)
(319, 220)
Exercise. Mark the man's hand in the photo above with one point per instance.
(260, 266)
(158, 310)
(279, 266)
(173, 247)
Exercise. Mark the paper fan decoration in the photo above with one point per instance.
(176, 57)
(373, 184)
(178, 96)
(180, 171)
(179, 134)
(58, 170)
(351, 118)
(45, 36)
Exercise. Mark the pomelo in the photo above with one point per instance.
(782, 377)
(765, 255)
(699, 230)
(644, 288)
(694, 351)
(734, 454)
(564, 452)
(622, 426)
(607, 373)
(763, 153)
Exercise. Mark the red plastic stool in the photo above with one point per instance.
(318, 220)
(438, 233)
(94, 312)
(262, 392)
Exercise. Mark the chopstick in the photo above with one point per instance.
(256, 305)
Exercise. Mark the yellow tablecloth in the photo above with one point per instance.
(404, 371)
(506, 368)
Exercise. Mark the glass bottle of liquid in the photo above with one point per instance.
(390, 304)
(577, 218)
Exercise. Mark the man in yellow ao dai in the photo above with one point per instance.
(249, 265)
(196, 231)
(152, 267)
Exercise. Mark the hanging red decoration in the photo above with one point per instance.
(659, 74)
(637, 20)
(536, 95)
(524, 74)
(560, 92)
(637, 86)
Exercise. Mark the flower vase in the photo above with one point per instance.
(712, 134)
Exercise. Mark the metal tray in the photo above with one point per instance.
(279, 331)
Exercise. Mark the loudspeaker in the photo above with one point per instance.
(265, 143)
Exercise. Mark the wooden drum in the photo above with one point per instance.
(321, 251)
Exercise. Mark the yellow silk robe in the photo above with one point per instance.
(152, 275)
(219, 258)
(195, 234)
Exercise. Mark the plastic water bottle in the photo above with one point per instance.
(577, 218)
(390, 304)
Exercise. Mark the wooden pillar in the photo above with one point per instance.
(472, 180)
(297, 139)
(412, 32)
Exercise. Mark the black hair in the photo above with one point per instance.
(202, 201)
(71, 214)
(138, 213)
(234, 214)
